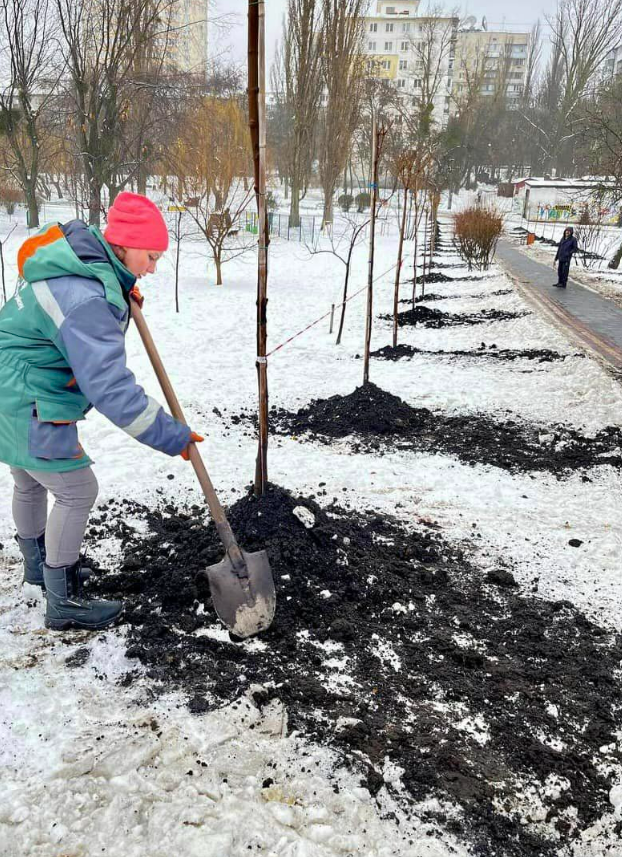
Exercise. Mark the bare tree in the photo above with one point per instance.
(211, 160)
(297, 84)
(29, 49)
(342, 244)
(583, 33)
(342, 75)
(103, 43)
(431, 49)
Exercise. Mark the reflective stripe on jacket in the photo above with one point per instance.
(62, 350)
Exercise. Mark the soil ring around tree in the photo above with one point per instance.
(390, 647)
(436, 318)
(430, 297)
(374, 420)
(490, 352)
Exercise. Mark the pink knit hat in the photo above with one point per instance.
(134, 221)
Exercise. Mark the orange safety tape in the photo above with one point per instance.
(326, 314)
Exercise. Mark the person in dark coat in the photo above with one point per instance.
(566, 249)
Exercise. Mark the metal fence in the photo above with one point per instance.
(278, 226)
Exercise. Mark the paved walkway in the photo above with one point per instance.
(593, 321)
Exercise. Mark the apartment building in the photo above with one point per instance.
(414, 52)
(488, 61)
(187, 45)
(613, 63)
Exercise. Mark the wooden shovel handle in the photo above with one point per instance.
(213, 502)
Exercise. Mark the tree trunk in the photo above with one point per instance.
(425, 253)
(33, 208)
(615, 262)
(95, 202)
(294, 211)
(178, 237)
(345, 297)
(372, 248)
(416, 254)
(141, 180)
(398, 270)
(328, 206)
(218, 261)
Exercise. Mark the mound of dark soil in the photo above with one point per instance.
(436, 277)
(377, 419)
(542, 355)
(436, 318)
(431, 296)
(387, 644)
(444, 265)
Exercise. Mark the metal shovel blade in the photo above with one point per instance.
(244, 598)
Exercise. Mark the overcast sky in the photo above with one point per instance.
(231, 44)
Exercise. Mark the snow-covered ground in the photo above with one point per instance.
(90, 767)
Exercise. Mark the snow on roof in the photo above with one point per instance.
(570, 183)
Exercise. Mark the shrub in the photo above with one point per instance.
(10, 196)
(345, 202)
(477, 231)
(363, 201)
(589, 236)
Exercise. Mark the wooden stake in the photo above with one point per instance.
(257, 124)
(398, 269)
(375, 157)
(425, 251)
(332, 317)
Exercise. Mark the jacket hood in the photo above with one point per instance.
(74, 248)
(569, 229)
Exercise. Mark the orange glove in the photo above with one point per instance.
(194, 438)
(137, 296)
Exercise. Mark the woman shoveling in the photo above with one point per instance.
(62, 351)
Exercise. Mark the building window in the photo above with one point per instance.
(373, 28)
(403, 65)
(404, 46)
(388, 46)
(417, 83)
(390, 10)
(386, 64)
(371, 46)
(390, 28)
(401, 84)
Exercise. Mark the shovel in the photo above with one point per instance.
(241, 584)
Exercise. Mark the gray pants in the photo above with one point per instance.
(74, 493)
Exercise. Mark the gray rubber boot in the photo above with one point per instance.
(67, 607)
(33, 551)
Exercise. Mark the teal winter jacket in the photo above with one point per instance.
(62, 351)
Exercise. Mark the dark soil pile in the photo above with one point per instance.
(436, 277)
(378, 420)
(449, 265)
(436, 318)
(542, 355)
(388, 644)
(431, 296)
